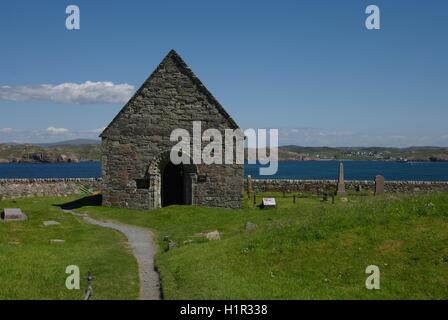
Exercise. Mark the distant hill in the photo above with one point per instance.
(89, 149)
(293, 152)
(63, 151)
(75, 142)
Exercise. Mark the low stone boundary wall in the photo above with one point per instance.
(321, 186)
(20, 188)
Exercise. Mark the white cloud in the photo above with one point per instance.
(6, 130)
(53, 130)
(83, 93)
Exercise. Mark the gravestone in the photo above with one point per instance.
(172, 245)
(269, 203)
(54, 241)
(250, 226)
(13, 214)
(379, 185)
(214, 235)
(341, 182)
(51, 223)
(249, 185)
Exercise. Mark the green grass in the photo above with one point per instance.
(32, 268)
(307, 250)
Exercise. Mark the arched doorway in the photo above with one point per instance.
(173, 184)
(169, 183)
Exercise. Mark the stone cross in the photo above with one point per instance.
(379, 185)
(341, 181)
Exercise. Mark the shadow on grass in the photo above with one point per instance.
(83, 202)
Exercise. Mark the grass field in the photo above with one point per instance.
(32, 268)
(307, 250)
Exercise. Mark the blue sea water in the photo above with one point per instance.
(91, 169)
(357, 170)
(354, 170)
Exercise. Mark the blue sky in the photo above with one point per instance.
(309, 68)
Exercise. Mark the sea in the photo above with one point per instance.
(322, 169)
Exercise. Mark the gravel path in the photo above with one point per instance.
(143, 247)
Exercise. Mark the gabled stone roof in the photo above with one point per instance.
(187, 71)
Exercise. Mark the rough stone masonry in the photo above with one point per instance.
(23, 188)
(137, 171)
(328, 186)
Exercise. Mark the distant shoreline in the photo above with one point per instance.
(280, 160)
(46, 162)
(86, 150)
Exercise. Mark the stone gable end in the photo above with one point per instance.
(139, 137)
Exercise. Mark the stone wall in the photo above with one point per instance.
(136, 145)
(321, 186)
(20, 188)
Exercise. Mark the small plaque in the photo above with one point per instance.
(202, 178)
(269, 203)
